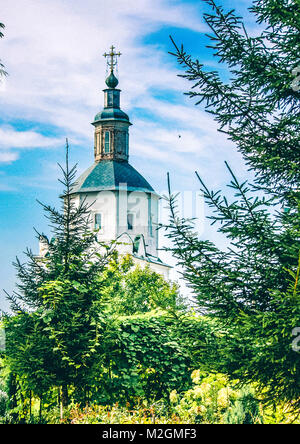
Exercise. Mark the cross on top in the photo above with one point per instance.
(113, 58)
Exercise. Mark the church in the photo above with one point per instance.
(124, 206)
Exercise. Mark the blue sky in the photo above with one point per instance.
(53, 50)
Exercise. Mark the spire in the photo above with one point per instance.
(111, 124)
(112, 61)
(113, 58)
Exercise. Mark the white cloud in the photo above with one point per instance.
(8, 156)
(53, 53)
(10, 138)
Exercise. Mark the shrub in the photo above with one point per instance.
(3, 403)
(212, 399)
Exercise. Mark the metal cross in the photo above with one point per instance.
(113, 58)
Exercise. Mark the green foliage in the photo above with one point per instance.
(89, 331)
(71, 339)
(273, 363)
(147, 354)
(251, 288)
(56, 327)
(3, 403)
(129, 289)
(140, 358)
(142, 413)
(258, 108)
(149, 362)
(240, 277)
(245, 409)
(212, 399)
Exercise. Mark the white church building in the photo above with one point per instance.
(124, 205)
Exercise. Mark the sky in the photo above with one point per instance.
(52, 50)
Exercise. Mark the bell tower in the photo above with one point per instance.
(123, 205)
(111, 140)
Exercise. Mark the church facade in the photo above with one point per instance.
(124, 206)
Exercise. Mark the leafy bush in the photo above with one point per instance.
(3, 403)
(143, 413)
(128, 289)
(213, 400)
(148, 355)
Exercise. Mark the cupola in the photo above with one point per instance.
(111, 124)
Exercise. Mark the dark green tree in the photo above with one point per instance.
(55, 330)
(252, 287)
(258, 108)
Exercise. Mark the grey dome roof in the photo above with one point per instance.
(112, 80)
(108, 175)
(111, 113)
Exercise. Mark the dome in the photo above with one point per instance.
(111, 81)
(108, 175)
(111, 113)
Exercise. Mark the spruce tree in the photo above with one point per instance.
(258, 108)
(55, 330)
(251, 287)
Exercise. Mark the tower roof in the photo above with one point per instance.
(111, 175)
(111, 114)
(112, 80)
(111, 170)
(111, 109)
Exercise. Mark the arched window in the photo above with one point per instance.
(98, 221)
(107, 142)
(150, 224)
(136, 244)
(130, 217)
(97, 143)
(126, 143)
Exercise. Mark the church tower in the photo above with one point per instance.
(111, 124)
(124, 205)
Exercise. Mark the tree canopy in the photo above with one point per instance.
(251, 287)
(258, 108)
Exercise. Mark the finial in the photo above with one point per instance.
(113, 58)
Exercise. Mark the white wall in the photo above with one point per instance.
(114, 206)
(105, 203)
(160, 269)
